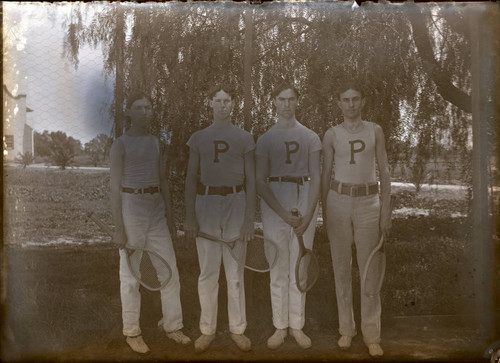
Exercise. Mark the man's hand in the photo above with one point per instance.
(247, 231)
(385, 222)
(292, 220)
(191, 227)
(301, 228)
(120, 238)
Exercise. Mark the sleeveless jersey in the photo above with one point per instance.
(141, 161)
(288, 149)
(354, 155)
(222, 154)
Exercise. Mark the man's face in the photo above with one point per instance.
(286, 103)
(221, 104)
(351, 103)
(140, 111)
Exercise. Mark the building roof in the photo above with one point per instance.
(16, 97)
(11, 95)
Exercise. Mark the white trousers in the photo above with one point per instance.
(221, 217)
(354, 220)
(288, 303)
(146, 226)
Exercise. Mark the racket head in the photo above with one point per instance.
(374, 272)
(306, 270)
(261, 254)
(150, 269)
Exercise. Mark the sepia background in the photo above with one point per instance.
(431, 77)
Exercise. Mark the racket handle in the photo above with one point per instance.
(101, 224)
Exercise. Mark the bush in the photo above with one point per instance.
(25, 159)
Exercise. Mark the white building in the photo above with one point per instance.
(17, 134)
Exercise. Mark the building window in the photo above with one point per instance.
(9, 142)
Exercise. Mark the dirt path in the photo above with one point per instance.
(402, 342)
(67, 308)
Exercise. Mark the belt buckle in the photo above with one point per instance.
(137, 190)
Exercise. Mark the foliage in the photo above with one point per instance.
(57, 146)
(98, 148)
(42, 143)
(25, 159)
(176, 51)
(63, 148)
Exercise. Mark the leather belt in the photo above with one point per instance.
(222, 190)
(289, 179)
(354, 190)
(150, 190)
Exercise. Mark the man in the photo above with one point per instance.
(223, 206)
(140, 201)
(288, 177)
(353, 211)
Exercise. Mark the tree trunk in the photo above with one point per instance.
(485, 73)
(119, 64)
(442, 80)
(247, 106)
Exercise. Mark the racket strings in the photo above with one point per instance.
(260, 257)
(374, 274)
(307, 272)
(151, 270)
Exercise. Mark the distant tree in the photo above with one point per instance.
(25, 159)
(63, 148)
(57, 146)
(98, 148)
(42, 143)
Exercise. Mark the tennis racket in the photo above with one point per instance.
(150, 269)
(375, 267)
(257, 258)
(306, 267)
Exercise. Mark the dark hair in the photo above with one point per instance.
(222, 87)
(345, 86)
(137, 95)
(283, 87)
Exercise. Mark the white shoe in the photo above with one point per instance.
(137, 344)
(203, 342)
(241, 342)
(277, 339)
(375, 350)
(344, 342)
(179, 337)
(302, 340)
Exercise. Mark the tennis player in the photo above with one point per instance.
(221, 204)
(354, 212)
(140, 204)
(288, 176)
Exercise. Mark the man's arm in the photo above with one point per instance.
(314, 192)
(262, 173)
(165, 193)
(247, 229)
(326, 175)
(116, 158)
(385, 181)
(191, 224)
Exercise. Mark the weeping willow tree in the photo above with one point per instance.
(414, 61)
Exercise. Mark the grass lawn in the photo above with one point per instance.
(63, 298)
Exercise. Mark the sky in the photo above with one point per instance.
(75, 101)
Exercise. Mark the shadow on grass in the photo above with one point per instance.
(67, 298)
